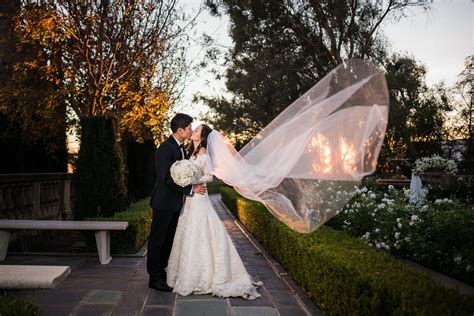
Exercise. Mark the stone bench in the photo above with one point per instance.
(102, 232)
(31, 277)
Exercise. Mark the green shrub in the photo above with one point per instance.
(343, 275)
(10, 306)
(99, 176)
(139, 216)
(460, 188)
(438, 234)
(214, 187)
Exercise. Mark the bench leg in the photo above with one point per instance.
(102, 238)
(4, 239)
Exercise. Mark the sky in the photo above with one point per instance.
(441, 39)
(203, 82)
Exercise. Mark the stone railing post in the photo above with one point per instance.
(65, 198)
(36, 198)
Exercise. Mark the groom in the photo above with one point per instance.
(166, 201)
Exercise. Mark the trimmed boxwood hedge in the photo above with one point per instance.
(10, 306)
(343, 275)
(138, 215)
(214, 187)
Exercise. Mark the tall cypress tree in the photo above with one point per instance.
(99, 177)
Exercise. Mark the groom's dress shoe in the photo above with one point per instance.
(159, 285)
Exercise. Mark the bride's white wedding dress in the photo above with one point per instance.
(203, 259)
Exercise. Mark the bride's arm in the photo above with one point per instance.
(206, 166)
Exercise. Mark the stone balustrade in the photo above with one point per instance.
(35, 196)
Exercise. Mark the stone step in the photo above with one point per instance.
(32, 277)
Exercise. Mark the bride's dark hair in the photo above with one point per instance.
(205, 131)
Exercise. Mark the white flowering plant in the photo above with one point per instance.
(462, 190)
(183, 172)
(326, 198)
(425, 164)
(438, 234)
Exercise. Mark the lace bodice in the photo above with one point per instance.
(204, 164)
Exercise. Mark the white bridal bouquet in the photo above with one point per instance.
(183, 172)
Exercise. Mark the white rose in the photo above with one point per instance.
(458, 259)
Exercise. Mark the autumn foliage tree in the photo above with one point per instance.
(116, 61)
(29, 98)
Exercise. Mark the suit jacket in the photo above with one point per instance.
(167, 195)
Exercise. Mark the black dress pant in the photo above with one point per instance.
(160, 242)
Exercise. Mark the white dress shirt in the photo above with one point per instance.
(183, 156)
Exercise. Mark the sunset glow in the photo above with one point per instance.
(340, 157)
(321, 144)
(347, 155)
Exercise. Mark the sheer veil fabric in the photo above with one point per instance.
(304, 164)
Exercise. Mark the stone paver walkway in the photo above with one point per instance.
(121, 287)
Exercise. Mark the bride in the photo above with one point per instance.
(203, 259)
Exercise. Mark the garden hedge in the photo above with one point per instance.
(342, 274)
(214, 187)
(139, 216)
(10, 306)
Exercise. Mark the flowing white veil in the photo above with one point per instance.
(304, 164)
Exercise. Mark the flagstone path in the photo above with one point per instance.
(121, 287)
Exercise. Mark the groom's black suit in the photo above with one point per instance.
(166, 201)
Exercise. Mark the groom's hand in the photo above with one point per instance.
(199, 188)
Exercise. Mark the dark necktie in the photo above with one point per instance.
(181, 148)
